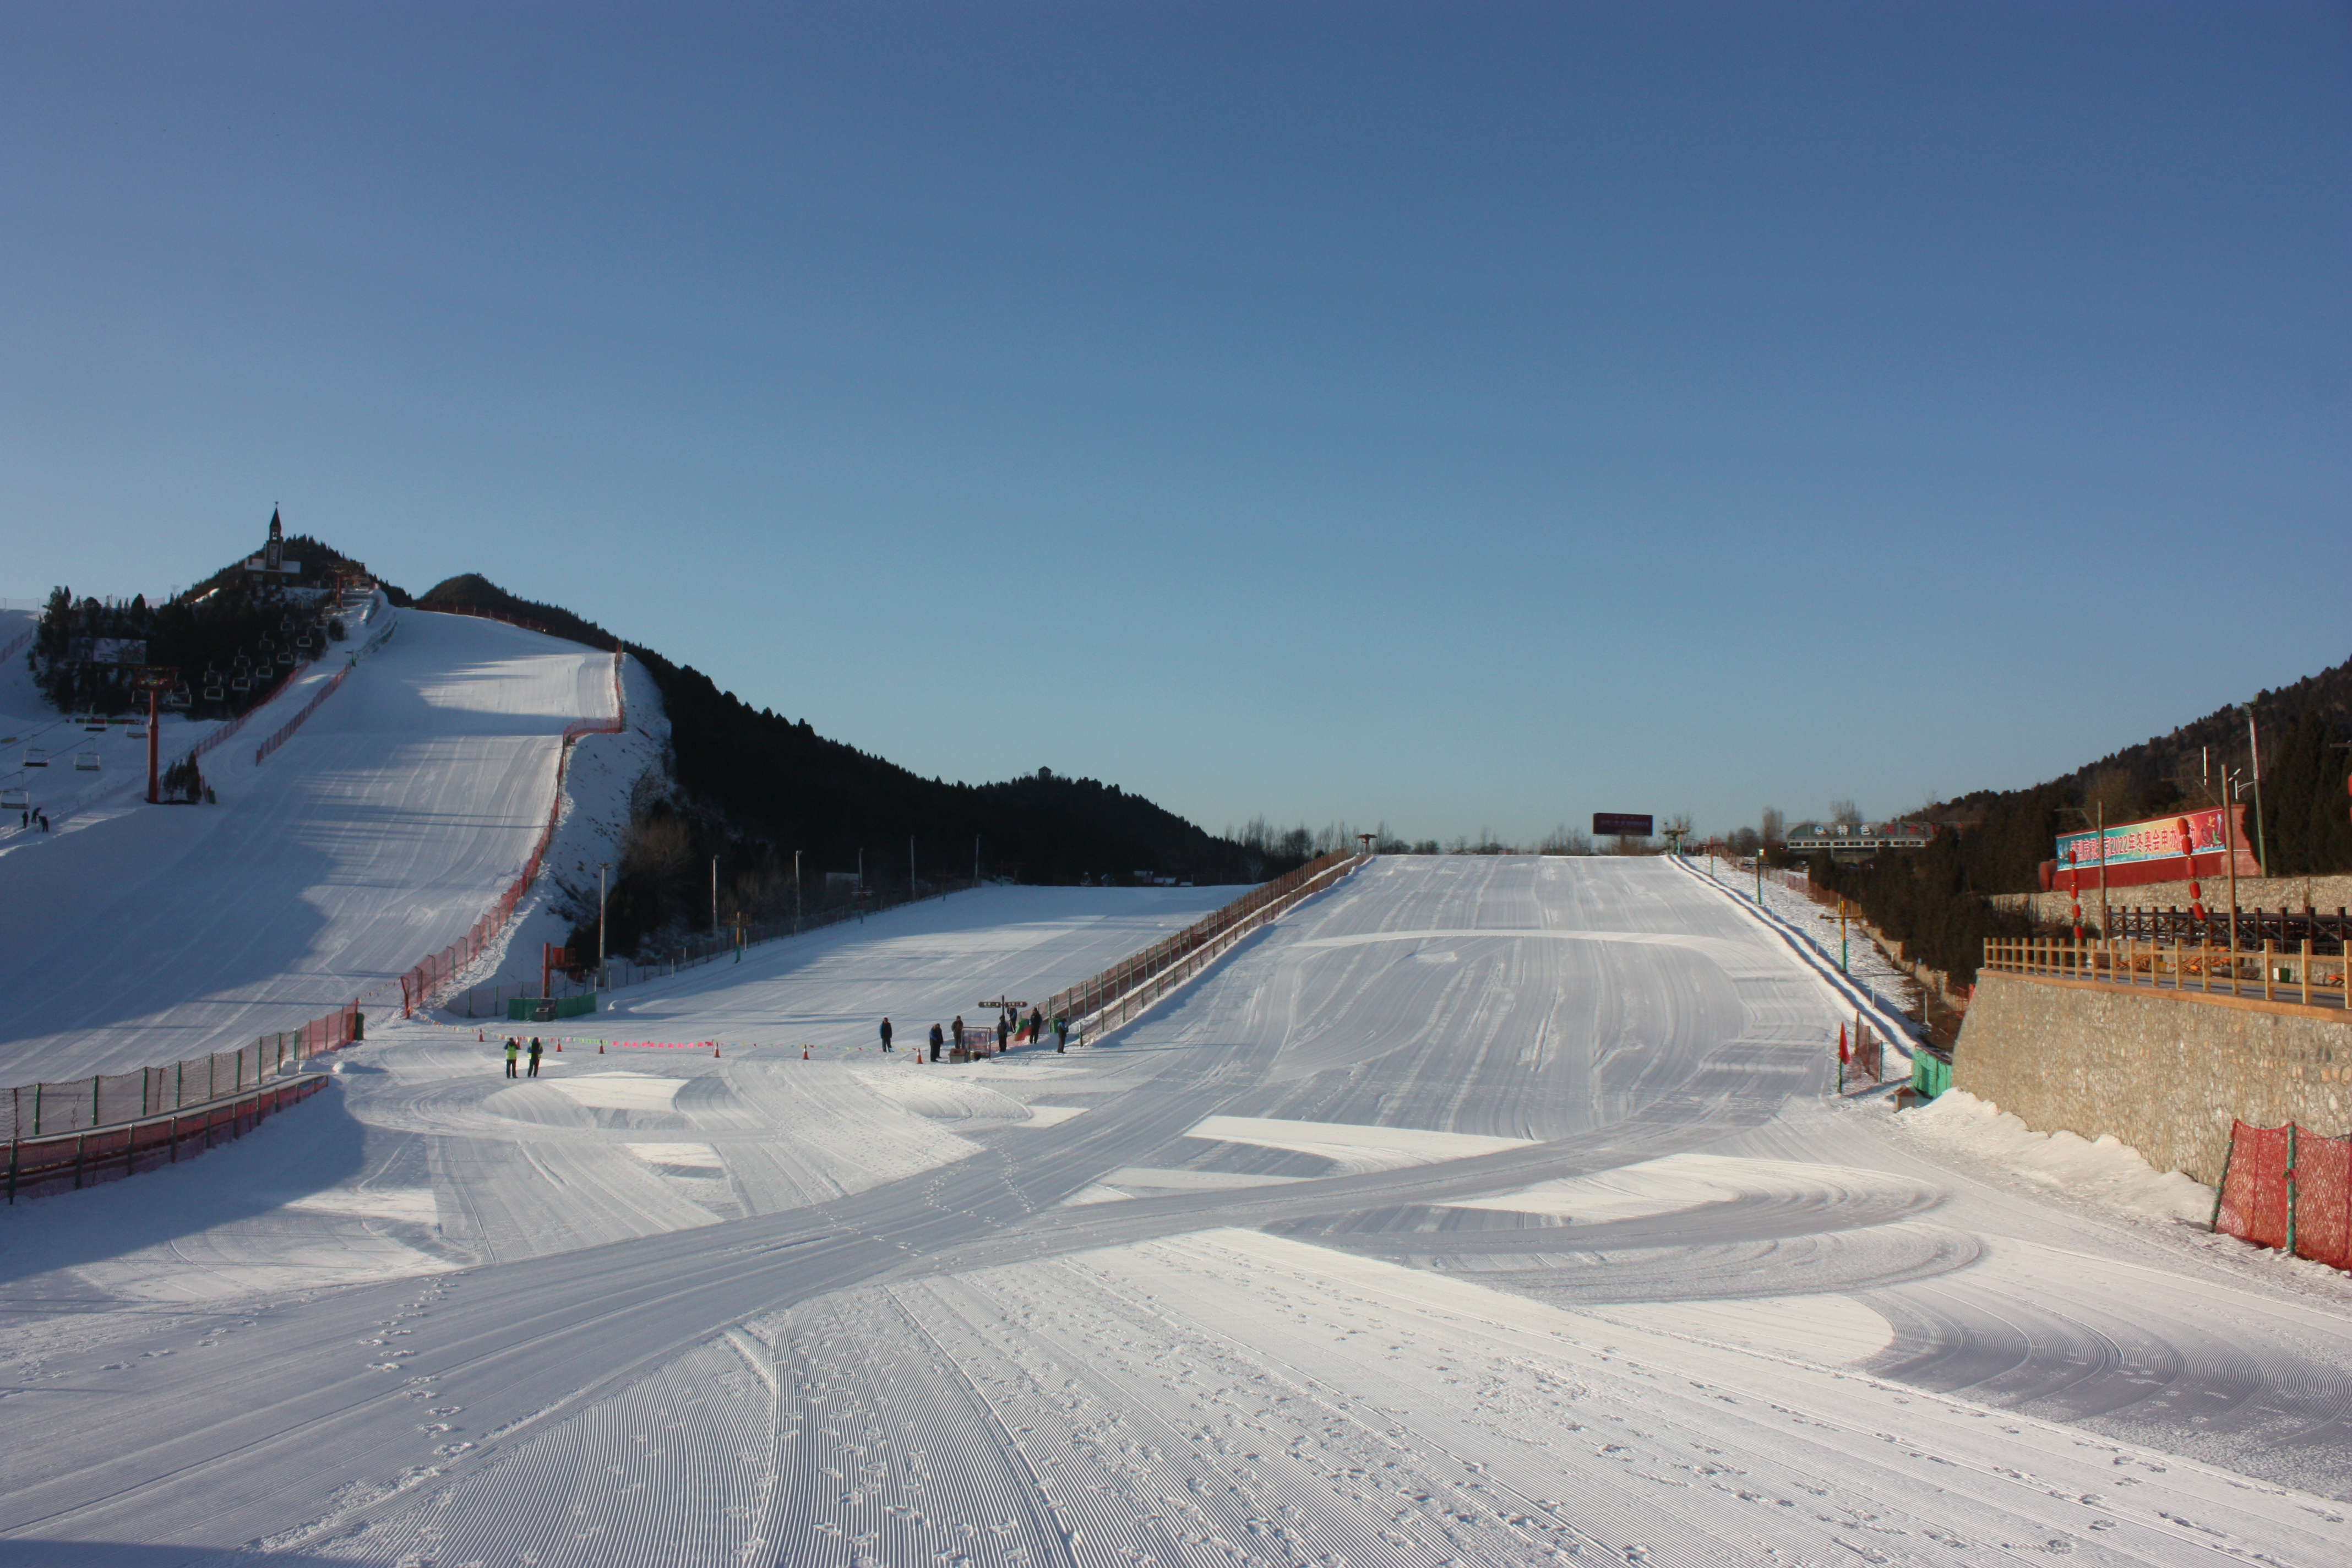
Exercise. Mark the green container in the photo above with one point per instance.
(547, 1009)
(1931, 1075)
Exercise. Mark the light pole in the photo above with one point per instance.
(2253, 744)
(714, 894)
(602, 897)
(797, 893)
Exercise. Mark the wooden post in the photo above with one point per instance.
(2270, 969)
(2303, 971)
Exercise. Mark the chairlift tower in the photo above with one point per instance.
(154, 679)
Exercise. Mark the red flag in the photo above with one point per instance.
(1841, 1051)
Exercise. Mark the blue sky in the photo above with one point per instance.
(1468, 416)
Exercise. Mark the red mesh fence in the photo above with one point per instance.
(2254, 1186)
(429, 977)
(63, 1162)
(2323, 1197)
(110, 1100)
(2288, 1187)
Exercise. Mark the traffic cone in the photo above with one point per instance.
(600, 1047)
(803, 1053)
(714, 1051)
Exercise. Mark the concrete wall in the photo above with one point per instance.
(2326, 894)
(2163, 1071)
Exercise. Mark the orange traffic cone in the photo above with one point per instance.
(803, 1053)
(600, 1047)
(558, 1047)
(714, 1051)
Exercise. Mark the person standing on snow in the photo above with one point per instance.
(886, 1034)
(1036, 1027)
(957, 1028)
(1004, 1031)
(938, 1037)
(1061, 1035)
(514, 1048)
(534, 1055)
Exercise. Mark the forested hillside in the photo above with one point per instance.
(753, 786)
(1993, 841)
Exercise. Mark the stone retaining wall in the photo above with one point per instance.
(2326, 894)
(2163, 1071)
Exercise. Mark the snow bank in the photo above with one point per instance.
(2103, 1170)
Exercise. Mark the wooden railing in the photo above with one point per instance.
(2275, 972)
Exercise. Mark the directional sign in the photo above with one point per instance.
(1607, 824)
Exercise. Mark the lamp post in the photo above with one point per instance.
(797, 893)
(601, 978)
(2253, 745)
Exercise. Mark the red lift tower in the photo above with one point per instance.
(154, 679)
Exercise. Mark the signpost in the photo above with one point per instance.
(1620, 825)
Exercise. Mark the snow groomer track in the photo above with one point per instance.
(1481, 1210)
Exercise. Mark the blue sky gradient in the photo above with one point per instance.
(1465, 416)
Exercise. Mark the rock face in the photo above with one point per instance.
(2164, 1071)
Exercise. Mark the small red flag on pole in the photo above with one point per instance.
(1842, 1050)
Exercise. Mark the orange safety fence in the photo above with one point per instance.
(2289, 1188)
(426, 979)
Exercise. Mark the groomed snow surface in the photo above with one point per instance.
(136, 935)
(1482, 1211)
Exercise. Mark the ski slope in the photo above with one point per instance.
(1482, 1210)
(136, 935)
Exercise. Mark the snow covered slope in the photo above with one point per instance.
(1482, 1210)
(138, 934)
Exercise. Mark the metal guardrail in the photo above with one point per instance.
(1111, 998)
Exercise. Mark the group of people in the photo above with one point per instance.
(515, 1048)
(31, 819)
(1008, 1023)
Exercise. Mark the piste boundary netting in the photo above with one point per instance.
(2289, 1188)
(82, 1104)
(432, 974)
(1126, 988)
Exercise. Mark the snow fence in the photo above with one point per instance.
(68, 1134)
(2289, 1188)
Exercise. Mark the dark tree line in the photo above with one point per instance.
(1935, 900)
(753, 786)
(231, 614)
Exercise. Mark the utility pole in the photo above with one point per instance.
(797, 893)
(2253, 744)
(602, 868)
(714, 894)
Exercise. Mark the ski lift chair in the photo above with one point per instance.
(242, 683)
(285, 656)
(214, 692)
(16, 800)
(93, 721)
(86, 763)
(36, 757)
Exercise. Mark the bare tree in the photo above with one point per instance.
(1845, 813)
(1774, 827)
(1563, 840)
